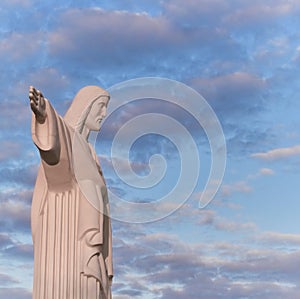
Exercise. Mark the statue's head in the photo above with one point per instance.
(95, 114)
(88, 108)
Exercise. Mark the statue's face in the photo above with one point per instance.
(96, 114)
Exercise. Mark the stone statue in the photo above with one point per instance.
(70, 221)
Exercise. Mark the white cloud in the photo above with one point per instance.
(15, 293)
(262, 172)
(7, 280)
(232, 86)
(280, 238)
(237, 187)
(14, 216)
(279, 153)
(24, 3)
(256, 12)
(150, 264)
(19, 46)
(211, 218)
(266, 171)
(107, 31)
(49, 80)
(9, 149)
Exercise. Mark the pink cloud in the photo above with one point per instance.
(9, 150)
(232, 86)
(239, 187)
(266, 171)
(19, 46)
(79, 27)
(24, 3)
(280, 238)
(258, 12)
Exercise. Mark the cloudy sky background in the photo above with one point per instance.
(244, 58)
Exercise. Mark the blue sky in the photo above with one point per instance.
(243, 57)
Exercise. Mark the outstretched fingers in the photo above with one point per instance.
(37, 102)
(35, 94)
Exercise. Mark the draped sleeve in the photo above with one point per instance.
(52, 138)
(53, 141)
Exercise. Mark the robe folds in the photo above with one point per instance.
(71, 233)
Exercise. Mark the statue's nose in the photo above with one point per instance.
(103, 112)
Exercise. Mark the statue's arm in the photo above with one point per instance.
(44, 127)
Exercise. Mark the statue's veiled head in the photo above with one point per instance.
(89, 99)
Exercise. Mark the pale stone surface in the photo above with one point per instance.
(70, 220)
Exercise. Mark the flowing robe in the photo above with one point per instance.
(72, 237)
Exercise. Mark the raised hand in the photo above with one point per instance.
(37, 104)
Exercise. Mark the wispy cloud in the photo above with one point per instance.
(19, 252)
(15, 211)
(232, 91)
(19, 46)
(266, 171)
(241, 186)
(5, 240)
(22, 175)
(261, 13)
(261, 173)
(7, 280)
(176, 268)
(15, 293)
(212, 219)
(278, 238)
(278, 153)
(10, 149)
